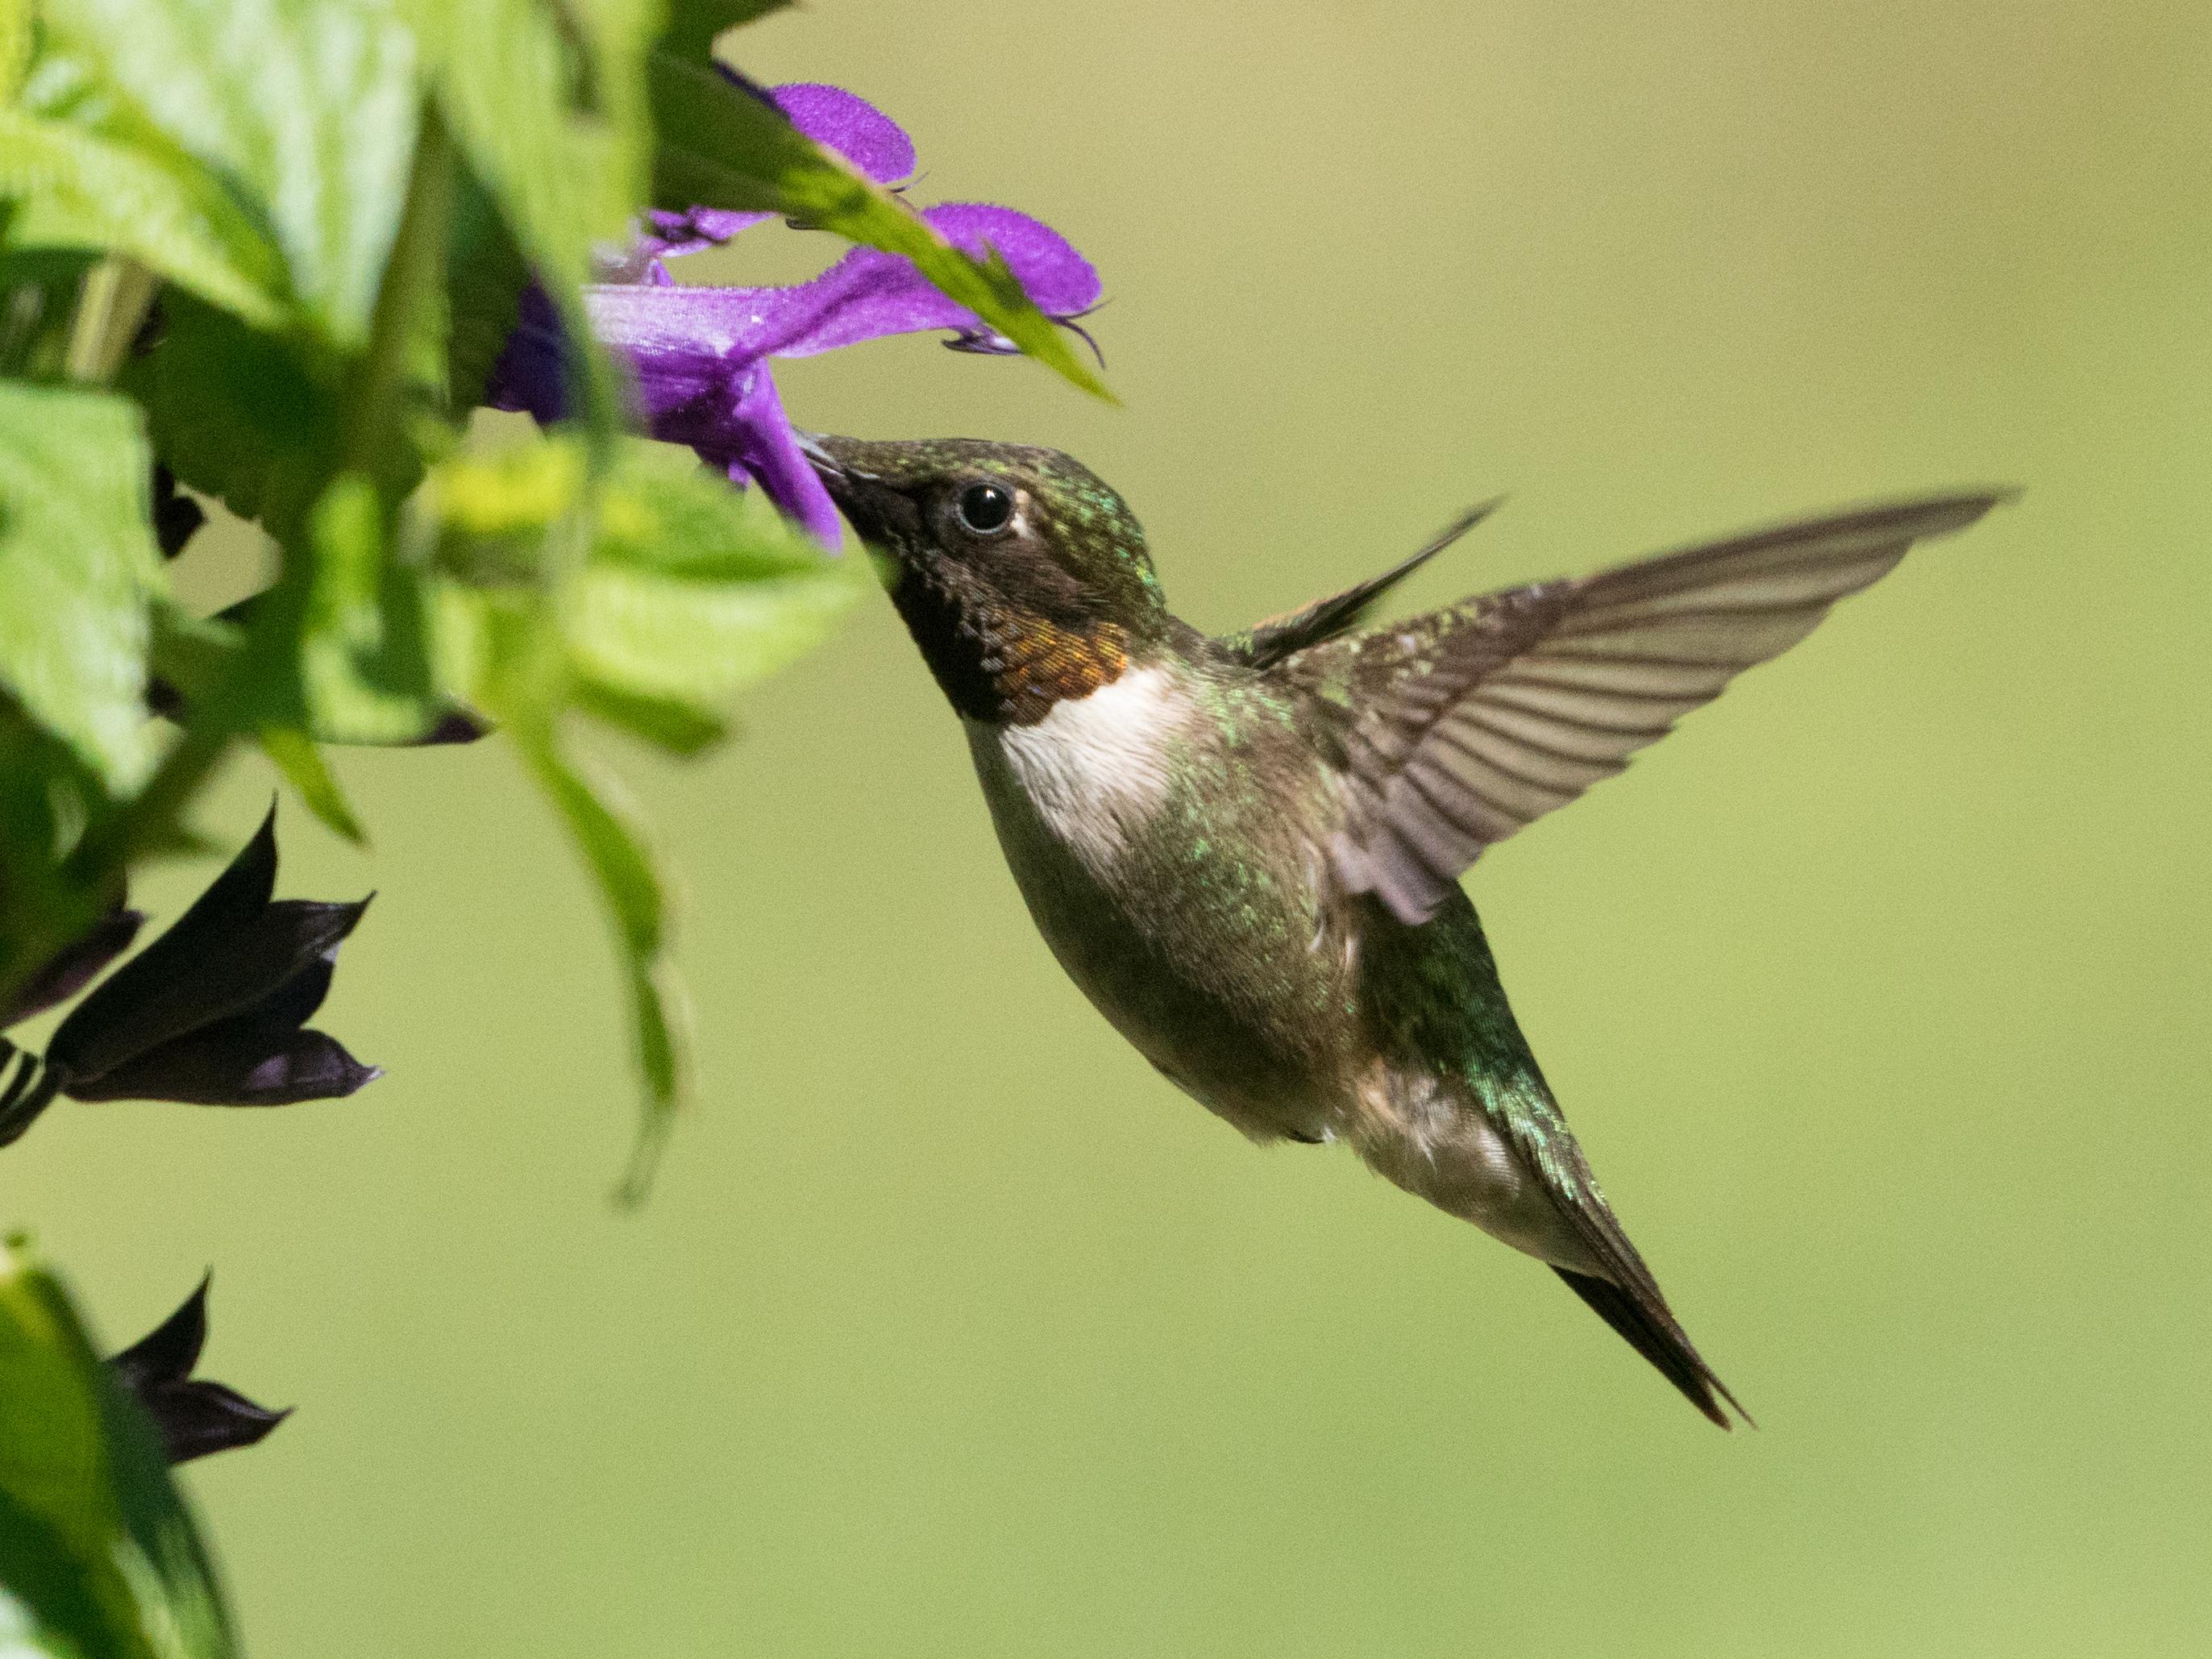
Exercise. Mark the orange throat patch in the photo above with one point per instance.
(1033, 664)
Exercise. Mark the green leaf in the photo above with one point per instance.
(694, 589)
(192, 654)
(22, 1638)
(634, 603)
(720, 148)
(546, 102)
(662, 511)
(306, 107)
(48, 798)
(77, 562)
(485, 277)
(39, 290)
(235, 415)
(609, 839)
(693, 25)
(15, 46)
(75, 189)
(294, 753)
(659, 636)
(96, 1547)
(681, 728)
(364, 639)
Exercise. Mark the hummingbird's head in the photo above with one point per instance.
(1021, 575)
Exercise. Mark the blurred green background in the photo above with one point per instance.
(1877, 993)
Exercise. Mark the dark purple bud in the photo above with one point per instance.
(211, 1012)
(72, 970)
(195, 1418)
(258, 1057)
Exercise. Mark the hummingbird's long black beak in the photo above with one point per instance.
(856, 478)
(815, 447)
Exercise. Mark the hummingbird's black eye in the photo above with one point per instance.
(985, 509)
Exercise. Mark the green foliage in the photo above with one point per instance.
(276, 247)
(304, 108)
(97, 1555)
(635, 605)
(693, 24)
(78, 563)
(332, 207)
(78, 188)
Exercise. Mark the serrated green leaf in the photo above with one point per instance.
(693, 25)
(719, 148)
(661, 510)
(95, 1545)
(75, 189)
(307, 107)
(518, 491)
(78, 563)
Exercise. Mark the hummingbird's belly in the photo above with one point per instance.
(1205, 964)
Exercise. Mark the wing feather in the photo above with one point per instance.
(1478, 721)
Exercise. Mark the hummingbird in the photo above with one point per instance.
(1246, 849)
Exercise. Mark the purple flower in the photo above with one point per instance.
(195, 1417)
(213, 1012)
(700, 355)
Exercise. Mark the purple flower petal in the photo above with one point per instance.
(532, 374)
(869, 294)
(853, 127)
(767, 449)
(680, 338)
(699, 354)
(875, 144)
(669, 233)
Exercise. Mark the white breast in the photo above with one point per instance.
(1095, 768)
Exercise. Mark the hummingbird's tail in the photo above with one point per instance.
(1653, 1332)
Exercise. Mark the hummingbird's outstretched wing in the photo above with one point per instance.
(1267, 643)
(1471, 722)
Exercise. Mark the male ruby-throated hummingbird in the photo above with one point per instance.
(1246, 850)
